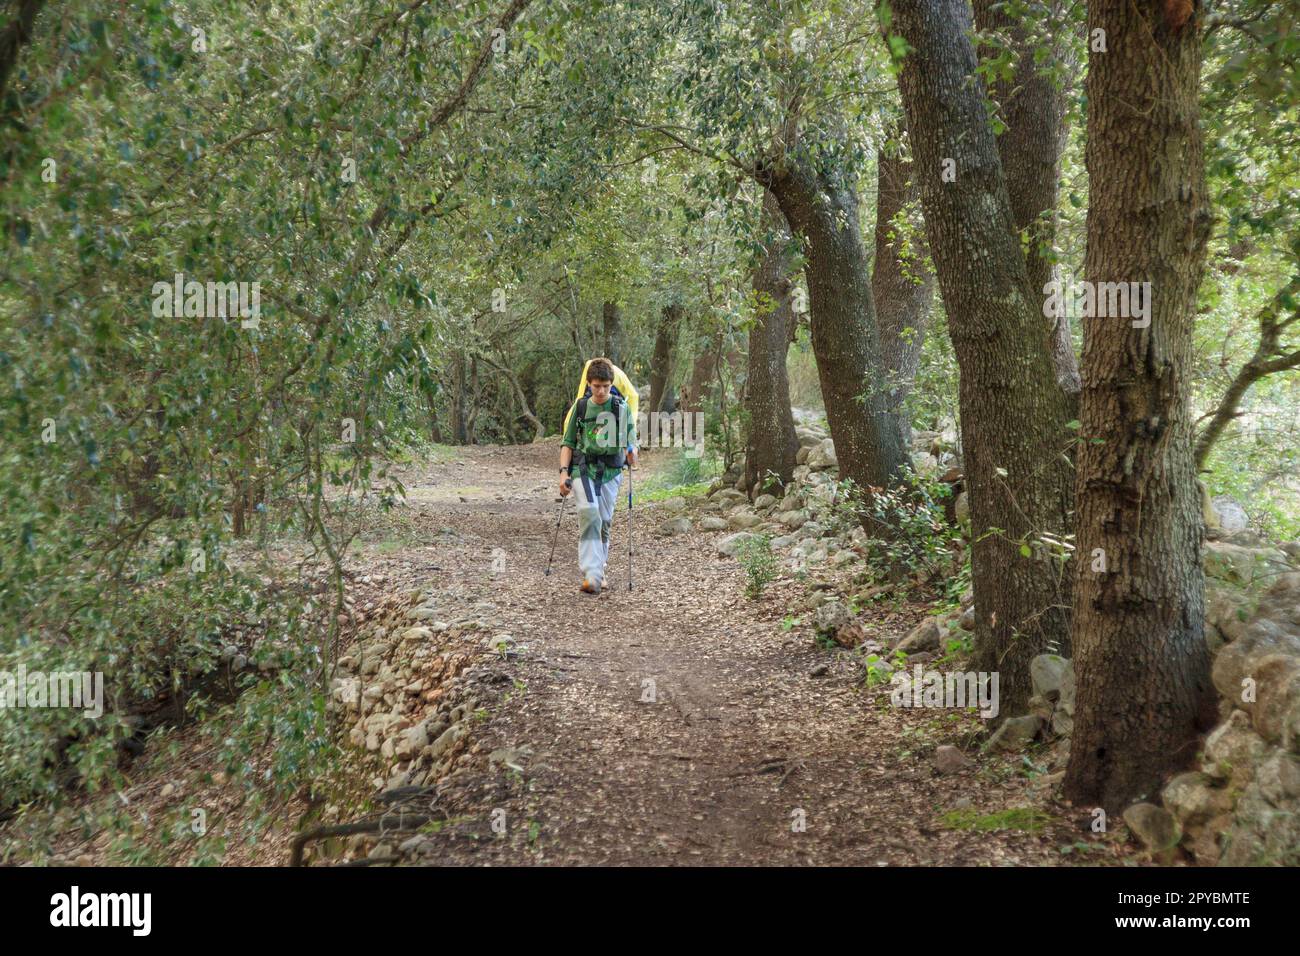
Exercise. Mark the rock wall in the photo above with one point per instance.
(1242, 806)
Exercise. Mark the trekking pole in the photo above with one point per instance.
(629, 527)
(556, 537)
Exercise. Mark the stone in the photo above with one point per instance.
(729, 545)
(1046, 672)
(729, 494)
(712, 523)
(411, 742)
(448, 739)
(1242, 658)
(675, 503)
(1041, 706)
(1277, 689)
(1193, 799)
(1154, 826)
(676, 526)
(1261, 834)
(1232, 749)
(823, 456)
(1278, 778)
(500, 643)
(1015, 733)
(948, 759)
(924, 637)
(792, 519)
(764, 501)
(1240, 565)
(1232, 516)
(801, 456)
(743, 519)
(413, 845)
(835, 621)
(961, 507)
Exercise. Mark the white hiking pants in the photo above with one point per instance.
(595, 516)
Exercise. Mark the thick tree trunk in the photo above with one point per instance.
(902, 281)
(665, 355)
(1142, 666)
(772, 443)
(1033, 108)
(845, 339)
(1013, 415)
(613, 318)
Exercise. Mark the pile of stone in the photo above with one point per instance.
(398, 687)
(1242, 806)
(802, 520)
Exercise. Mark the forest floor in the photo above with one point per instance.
(756, 745)
(680, 722)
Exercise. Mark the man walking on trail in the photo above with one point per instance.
(599, 435)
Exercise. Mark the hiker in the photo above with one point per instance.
(599, 436)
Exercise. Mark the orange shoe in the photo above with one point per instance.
(590, 587)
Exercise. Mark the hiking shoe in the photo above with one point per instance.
(590, 587)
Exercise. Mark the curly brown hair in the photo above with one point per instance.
(600, 370)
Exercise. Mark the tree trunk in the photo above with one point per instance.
(16, 33)
(665, 355)
(772, 443)
(539, 430)
(456, 401)
(902, 284)
(1142, 665)
(1013, 415)
(701, 376)
(845, 339)
(613, 332)
(1033, 108)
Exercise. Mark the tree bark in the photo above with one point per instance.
(1013, 415)
(456, 401)
(665, 356)
(823, 210)
(701, 376)
(772, 443)
(16, 34)
(613, 318)
(902, 285)
(1142, 665)
(1033, 108)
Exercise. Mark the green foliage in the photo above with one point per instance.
(910, 534)
(756, 558)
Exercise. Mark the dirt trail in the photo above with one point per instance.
(678, 722)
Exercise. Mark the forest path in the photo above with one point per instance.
(738, 742)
